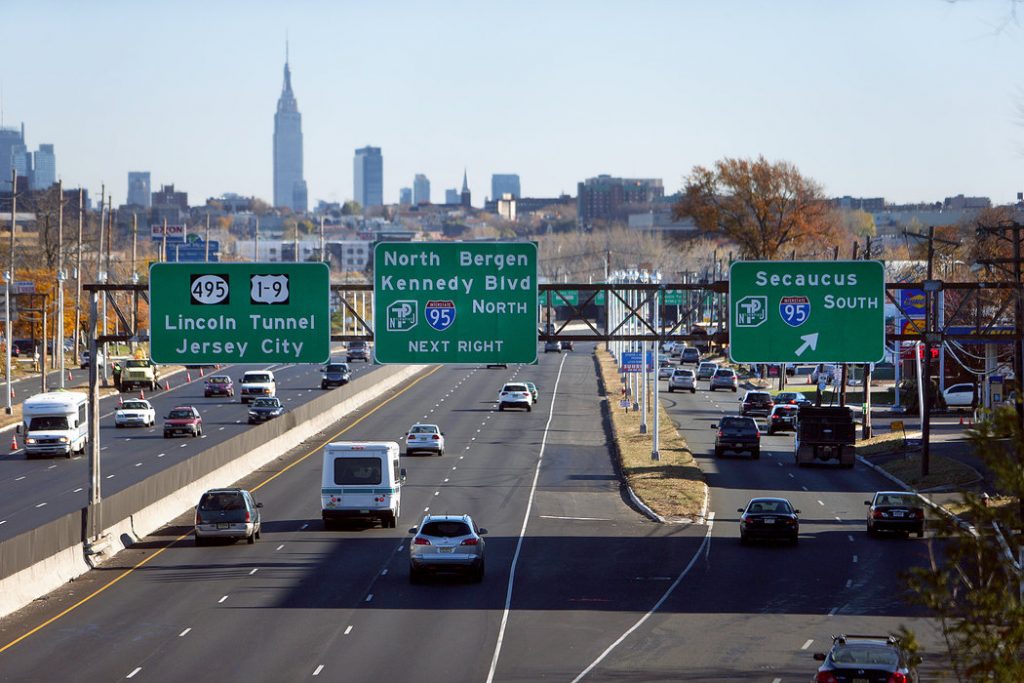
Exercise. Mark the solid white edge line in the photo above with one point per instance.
(705, 543)
(522, 532)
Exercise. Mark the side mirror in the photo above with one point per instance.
(481, 531)
(259, 505)
(714, 425)
(796, 512)
(819, 656)
(442, 433)
(739, 509)
(412, 530)
(18, 428)
(867, 502)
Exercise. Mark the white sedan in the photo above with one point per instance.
(424, 438)
(959, 395)
(135, 413)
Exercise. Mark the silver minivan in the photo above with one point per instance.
(227, 513)
(683, 379)
(447, 543)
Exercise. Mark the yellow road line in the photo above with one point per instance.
(184, 536)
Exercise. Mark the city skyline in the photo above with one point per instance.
(857, 95)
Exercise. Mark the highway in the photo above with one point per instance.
(38, 490)
(578, 584)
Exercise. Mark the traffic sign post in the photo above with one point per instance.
(455, 302)
(240, 312)
(806, 311)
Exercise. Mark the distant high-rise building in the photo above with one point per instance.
(21, 161)
(12, 141)
(405, 196)
(369, 177)
(451, 197)
(464, 197)
(289, 186)
(44, 168)
(608, 198)
(139, 189)
(505, 183)
(420, 189)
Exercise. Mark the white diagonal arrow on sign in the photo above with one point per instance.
(810, 340)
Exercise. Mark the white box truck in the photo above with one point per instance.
(55, 423)
(361, 480)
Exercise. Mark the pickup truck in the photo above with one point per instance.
(139, 372)
(825, 434)
(257, 384)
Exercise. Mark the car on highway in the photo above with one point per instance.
(782, 418)
(218, 385)
(706, 370)
(534, 394)
(227, 513)
(827, 370)
(139, 372)
(183, 420)
(552, 346)
(257, 384)
(756, 403)
(447, 543)
(497, 365)
(358, 350)
(796, 398)
(567, 345)
(85, 359)
(899, 511)
(737, 434)
(135, 413)
(335, 375)
(959, 396)
(666, 370)
(266, 408)
(424, 438)
(866, 658)
(769, 518)
(725, 378)
(691, 354)
(515, 395)
(682, 379)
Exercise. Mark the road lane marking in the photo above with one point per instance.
(40, 505)
(134, 671)
(51, 467)
(138, 464)
(821, 504)
(791, 475)
(855, 559)
(255, 569)
(185, 632)
(849, 582)
(832, 612)
(316, 671)
(850, 537)
(78, 489)
(348, 630)
(222, 599)
(369, 598)
(705, 547)
(110, 476)
(279, 547)
(384, 572)
(20, 478)
(160, 455)
(807, 644)
(804, 488)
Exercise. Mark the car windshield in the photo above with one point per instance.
(336, 367)
(723, 373)
(48, 422)
(357, 470)
(219, 379)
(253, 377)
(738, 423)
(423, 429)
(865, 654)
(224, 500)
(776, 506)
(356, 345)
(134, 405)
(137, 364)
(180, 414)
(896, 499)
(787, 410)
(515, 387)
(445, 529)
(758, 398)
(265, 403)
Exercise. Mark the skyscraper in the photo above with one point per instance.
(405, 196)
(369, 177)
(505, 183)
(12, 141)
(139, 189)
(289, 186)
(420, 190)
(451, 197)
(44, 168)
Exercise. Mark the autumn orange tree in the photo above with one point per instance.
(765, 208)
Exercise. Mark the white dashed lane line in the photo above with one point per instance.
(78, 489)
(40, 505)
(255, 569)
(855, 559)
(821, 504)
(134, 671)
(807, 644)
(348, 630)
(222, 599)
(20, 478)
(849, 582)
(318, 669)
(184, 633)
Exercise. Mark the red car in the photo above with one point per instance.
(219, 385)
(183, 420)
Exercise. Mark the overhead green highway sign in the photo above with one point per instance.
(240, 312)
(806, 311)
(455, 302)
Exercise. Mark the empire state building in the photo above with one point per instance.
(289, 187)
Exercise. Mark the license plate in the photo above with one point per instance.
(446, 550)
(769, 521)
(860, 680)
(223, 526)
(897, 514)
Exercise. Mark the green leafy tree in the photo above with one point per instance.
(351, 208)
(971, 583)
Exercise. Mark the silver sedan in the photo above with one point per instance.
(447, 543)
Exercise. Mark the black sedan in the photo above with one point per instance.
(769, 518)
(898, 511)
(263, 409)
(335, 375)
(867, 658)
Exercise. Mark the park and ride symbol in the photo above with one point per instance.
(402, 315)
(795, 310)
(751, 311)
(440, 314)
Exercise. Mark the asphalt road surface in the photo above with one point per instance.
(578, 584)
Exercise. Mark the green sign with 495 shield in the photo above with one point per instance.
(240, 312)
(455, 302)
(806, 311)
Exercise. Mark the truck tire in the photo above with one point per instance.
(693, 390)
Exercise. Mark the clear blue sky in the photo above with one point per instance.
(912, 100)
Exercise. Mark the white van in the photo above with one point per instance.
(361, 479)
(55, 423)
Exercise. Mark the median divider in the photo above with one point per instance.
(42, 559)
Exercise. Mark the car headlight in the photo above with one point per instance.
(30, 440)
(63, 439)
(253, 413)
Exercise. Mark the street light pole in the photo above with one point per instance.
(8, 276)
(78, 275)
(58, 346)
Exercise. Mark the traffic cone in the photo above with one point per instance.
(142, 394)
(167, 385)
(188, 376)
(14, 443)
(69, 375)
(202, 372)
(961, 420)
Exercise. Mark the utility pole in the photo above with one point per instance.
(323, 257)
(256, 245)
(163, 243)
(9, 276)
(295, 241)
(866, 424)
(78, 275)
(135, 277)
(58, 346)
(207, 236)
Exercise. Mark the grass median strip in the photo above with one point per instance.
(943, 472)
(672, 486)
